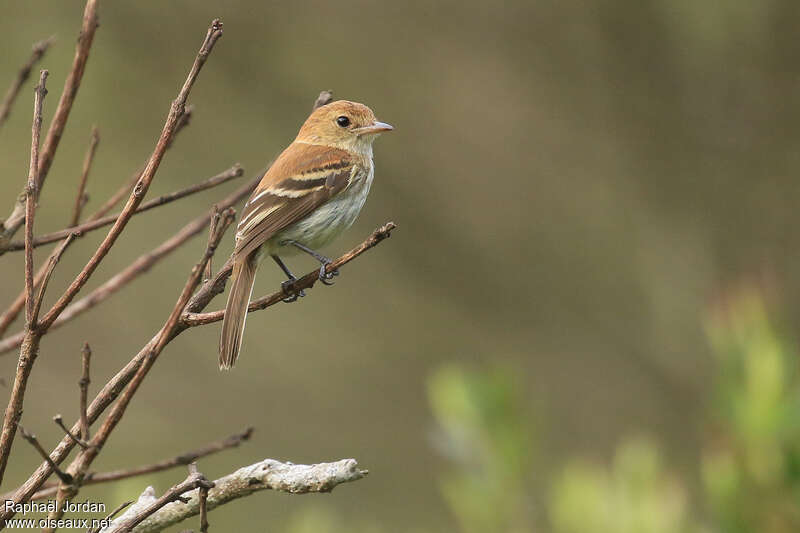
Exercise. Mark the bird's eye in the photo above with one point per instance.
(343, 121)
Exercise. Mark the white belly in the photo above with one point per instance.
(327, 221)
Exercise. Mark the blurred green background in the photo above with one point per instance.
(577, 185)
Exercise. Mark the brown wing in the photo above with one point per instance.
(303, 177)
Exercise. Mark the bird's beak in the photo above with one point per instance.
(375, 127)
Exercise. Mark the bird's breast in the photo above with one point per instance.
(329, 220)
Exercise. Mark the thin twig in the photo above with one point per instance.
(10, 314)
(63, 476)
(212, 229)
(93, 478)
(81, 198)
(59, 121)
(223, 177)
(71, 85)
(126, 187)
(265, 475)
(306, 282)
(195, 480)
(30, 198)
(202, 497)
(111, 515)
(324, 98)
(60, 423)
(30, 345)
(165, 335)
(176, 110)
(49, 266)
(37, 53)
(83, 386)
(138, 267)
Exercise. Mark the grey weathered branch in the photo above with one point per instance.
(264, 475)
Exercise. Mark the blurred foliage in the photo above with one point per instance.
(483, 429)
(751, 467)
(634, 495)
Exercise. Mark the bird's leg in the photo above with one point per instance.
(324, 276)
(288, 285)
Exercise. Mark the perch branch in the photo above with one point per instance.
(264, 475)
(306, 282)
(79, 230)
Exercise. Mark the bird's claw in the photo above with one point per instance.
(325, 276)
(293, 294)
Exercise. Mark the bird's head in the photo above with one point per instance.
(342, 124)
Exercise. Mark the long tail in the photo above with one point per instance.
(244, 274)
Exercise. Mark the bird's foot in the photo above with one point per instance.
(291, 291)
(324, 275)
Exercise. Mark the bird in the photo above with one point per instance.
(313, 191)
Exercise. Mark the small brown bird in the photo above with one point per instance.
(313, 192)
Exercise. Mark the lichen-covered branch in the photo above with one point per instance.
(264, 475)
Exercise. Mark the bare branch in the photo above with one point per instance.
(223, 177)
(138, 267)
(264, 475)
(47, 272)
(30, 345)
(111, 515)
(176, 110)
(306, 282)
(71, 85)
(60, 423)
(37, 53)
(59, 121)
(83, 386)
(324, 98)
(94, 478)
(167, 333)
(30, 199)
(81, 198)
(63, 476)
(126, 187)
(137, 514)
